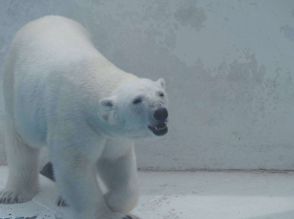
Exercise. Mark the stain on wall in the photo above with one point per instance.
(288, 32)
(191, 15)
(228, 67)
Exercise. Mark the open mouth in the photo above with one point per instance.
(159, 129)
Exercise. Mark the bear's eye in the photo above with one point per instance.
(160, 93)
(137, 100)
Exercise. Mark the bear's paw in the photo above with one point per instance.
(9, 196)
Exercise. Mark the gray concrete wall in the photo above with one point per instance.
(228, 65)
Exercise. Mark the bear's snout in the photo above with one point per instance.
(160, 114)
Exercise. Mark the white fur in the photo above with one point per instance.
(60, 92)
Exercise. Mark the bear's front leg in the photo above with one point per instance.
(118, 170)
(23, 183)
(75, 173)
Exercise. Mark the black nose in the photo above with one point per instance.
(160, 114)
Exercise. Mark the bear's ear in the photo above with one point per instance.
(107, 104)
(161, 82)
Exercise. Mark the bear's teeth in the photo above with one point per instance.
(160, 127)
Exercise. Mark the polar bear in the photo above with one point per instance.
(60, 92)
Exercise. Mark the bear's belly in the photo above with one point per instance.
(31, 130)
(29, 113)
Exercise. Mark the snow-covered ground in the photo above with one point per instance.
(187, 195)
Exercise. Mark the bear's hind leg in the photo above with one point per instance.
(22, 183)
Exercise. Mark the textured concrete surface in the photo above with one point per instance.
(228, 65)
(187, 195)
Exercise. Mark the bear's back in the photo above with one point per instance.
(53, 65)
(53, 38)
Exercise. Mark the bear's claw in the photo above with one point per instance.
(8, 197)
(61, 202)
(11, 197)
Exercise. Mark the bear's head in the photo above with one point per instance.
(138, 108)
